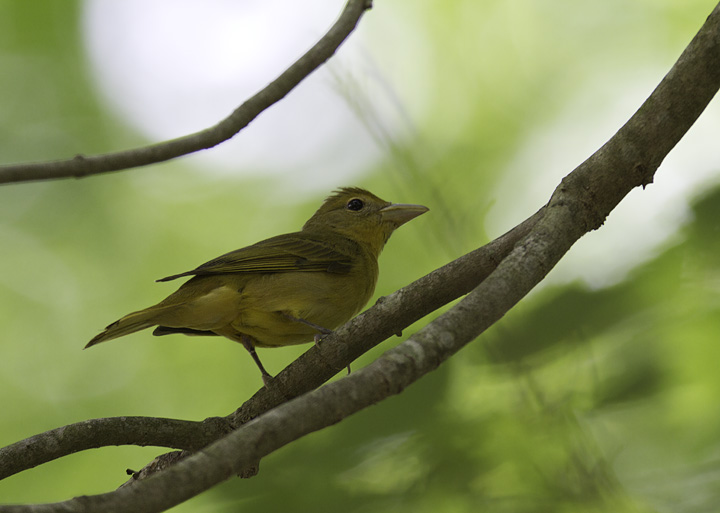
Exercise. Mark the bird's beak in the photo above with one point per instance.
(401, 213)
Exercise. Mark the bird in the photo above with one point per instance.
(289, 289)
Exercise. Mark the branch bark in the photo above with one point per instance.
(580, 204)
(81, 165)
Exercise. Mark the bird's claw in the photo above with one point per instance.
(268, 380)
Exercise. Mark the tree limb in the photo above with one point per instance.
(81, 165)
(95, 433)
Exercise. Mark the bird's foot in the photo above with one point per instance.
(268, 380)
(319, 336)
(321, 331)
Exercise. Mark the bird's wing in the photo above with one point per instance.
(284, 253)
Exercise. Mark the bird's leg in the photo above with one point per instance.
(246, 341)
(318, 336)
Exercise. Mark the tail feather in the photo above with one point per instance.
(131, 323)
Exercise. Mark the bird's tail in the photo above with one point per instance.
(131, 323)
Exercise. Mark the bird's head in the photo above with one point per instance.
(361, 216)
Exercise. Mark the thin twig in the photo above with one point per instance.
(86, 165)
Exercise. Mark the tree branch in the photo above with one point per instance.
(81, 166)
(95, 433)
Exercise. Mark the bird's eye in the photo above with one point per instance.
(355, 204)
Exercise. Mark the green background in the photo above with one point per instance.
(594, 394)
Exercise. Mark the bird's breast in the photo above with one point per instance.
(328, 300)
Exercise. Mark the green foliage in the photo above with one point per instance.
(581, 399)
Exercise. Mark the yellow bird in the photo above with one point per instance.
(285, 290)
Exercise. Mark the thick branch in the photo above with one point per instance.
(81, 166)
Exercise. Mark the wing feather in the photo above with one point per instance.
(285, 253)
